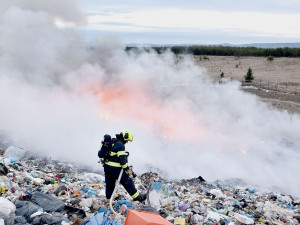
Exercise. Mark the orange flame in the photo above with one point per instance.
(135, 102)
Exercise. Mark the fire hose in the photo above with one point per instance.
(117, 184)
(115, 189)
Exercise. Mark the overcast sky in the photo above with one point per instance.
(195, 21)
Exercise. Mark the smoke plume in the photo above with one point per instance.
(58, 98)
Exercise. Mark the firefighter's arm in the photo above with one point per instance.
(124, 163)
(123, 159)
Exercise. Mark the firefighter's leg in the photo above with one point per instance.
(128, 184)
(110, 181)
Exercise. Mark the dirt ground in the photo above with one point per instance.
(277, 82)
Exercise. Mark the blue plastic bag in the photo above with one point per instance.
(94, 220)
(157, 185)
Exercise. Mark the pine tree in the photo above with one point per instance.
(249, 76)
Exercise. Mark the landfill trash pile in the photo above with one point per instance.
(43, 191)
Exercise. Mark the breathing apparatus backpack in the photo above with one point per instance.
(105, 148)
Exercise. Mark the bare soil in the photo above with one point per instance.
(277, 82)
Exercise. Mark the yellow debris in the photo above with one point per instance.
(179, 220)
(206, 200)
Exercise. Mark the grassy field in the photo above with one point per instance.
(277, 81)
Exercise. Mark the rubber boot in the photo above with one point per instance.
(141, 197)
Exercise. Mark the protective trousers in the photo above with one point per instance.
(111, 176)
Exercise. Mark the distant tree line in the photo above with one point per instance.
(228, 51)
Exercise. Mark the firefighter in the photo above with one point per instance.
(114, 161)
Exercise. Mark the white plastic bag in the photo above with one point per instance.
(15, 152)
(7, 208)
(243, 219)
(86, 202)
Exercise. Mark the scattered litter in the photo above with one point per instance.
(43, 191)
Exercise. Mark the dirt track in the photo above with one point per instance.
(277, 82)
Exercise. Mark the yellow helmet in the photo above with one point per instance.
(127, 135)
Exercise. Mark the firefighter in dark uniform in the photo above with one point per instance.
(117, 160)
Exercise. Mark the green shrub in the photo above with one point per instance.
(270, 58)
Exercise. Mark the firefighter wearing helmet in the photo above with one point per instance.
(115, 160)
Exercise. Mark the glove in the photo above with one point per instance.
(129, 172)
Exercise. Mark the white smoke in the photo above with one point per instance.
(58, 98)
(66, 11)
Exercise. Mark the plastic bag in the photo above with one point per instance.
(7, 208)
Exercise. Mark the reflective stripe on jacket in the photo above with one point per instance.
(118, 155)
